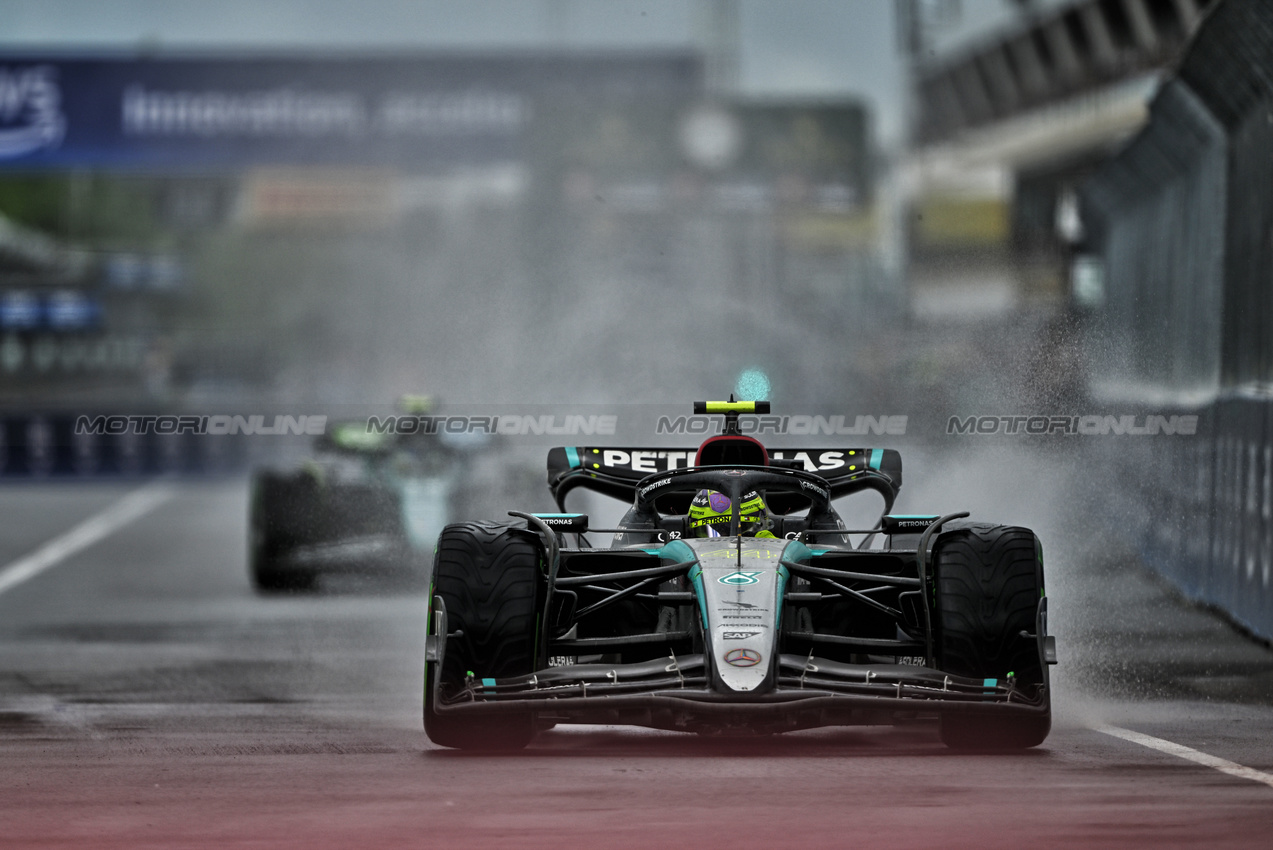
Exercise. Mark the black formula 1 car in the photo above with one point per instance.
(363, 502)
(774, 621)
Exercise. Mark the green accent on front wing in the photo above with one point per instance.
(572, 456)
(990, 683)
(488, 683)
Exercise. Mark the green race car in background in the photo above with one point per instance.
(362, 503)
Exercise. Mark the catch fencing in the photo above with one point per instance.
(1182, 219)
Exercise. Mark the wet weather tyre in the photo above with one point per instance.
(272, 502)
(989, 581)
(490, 578)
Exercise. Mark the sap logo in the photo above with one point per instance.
(30, 110)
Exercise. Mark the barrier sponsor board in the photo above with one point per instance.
(418, 112)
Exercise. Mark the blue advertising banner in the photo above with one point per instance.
(225, 113)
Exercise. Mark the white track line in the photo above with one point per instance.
(131, 507)
(1180, 750)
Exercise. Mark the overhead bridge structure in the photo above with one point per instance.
(1078, 50)
(1005, 131)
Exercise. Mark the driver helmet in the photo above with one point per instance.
(710, 515)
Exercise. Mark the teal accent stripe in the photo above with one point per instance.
(990, 683)
(783, 575)
(655, 551)
(556, 515)
(877, 455)
(490, 683)
(677, 551)
(696, 577)
(914, 516)
(572, 455)
(798, 552)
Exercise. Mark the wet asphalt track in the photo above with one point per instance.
(149, 699)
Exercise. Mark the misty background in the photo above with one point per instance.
(739, 200)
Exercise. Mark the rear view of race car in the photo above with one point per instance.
(733, 600)
(364, 502)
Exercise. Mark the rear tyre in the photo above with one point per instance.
(989, 581)
(275, 502)
(489, 576)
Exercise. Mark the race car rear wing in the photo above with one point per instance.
(615, 472)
